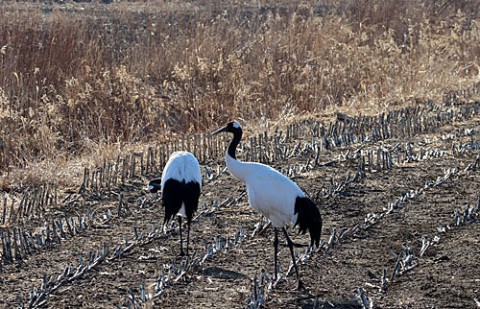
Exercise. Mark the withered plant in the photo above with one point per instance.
(76, 78)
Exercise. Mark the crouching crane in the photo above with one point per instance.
(274, 195)
(180, 186)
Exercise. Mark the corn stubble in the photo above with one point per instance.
(77, 78)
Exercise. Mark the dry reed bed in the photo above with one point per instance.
(77, 77)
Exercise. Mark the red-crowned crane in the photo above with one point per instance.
(274, 195)
(180, 186)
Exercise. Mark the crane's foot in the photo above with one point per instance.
(300, 286)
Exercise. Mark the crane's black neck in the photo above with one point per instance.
(237, 136)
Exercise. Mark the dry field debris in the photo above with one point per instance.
(372, 109)
(398, 193)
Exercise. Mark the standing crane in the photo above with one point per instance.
(274, 195)
(180, 186)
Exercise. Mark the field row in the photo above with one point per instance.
(107, 237)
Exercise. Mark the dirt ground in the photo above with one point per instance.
(361, 239)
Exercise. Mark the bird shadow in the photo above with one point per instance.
(309, 299)
(221, 273)
(315, 303)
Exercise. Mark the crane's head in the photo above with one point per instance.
(231, 127)
(154, 186)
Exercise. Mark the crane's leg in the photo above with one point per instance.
(188, 235)
(275, 252)
(290, 245)
(181, 239)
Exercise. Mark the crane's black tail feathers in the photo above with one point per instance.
(308, 218)
(177, 192)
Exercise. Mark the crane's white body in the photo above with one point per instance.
(269, 192)
(183, 167)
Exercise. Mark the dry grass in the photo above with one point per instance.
(79, 78)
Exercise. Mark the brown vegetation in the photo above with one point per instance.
(95, 96)
(77, 78)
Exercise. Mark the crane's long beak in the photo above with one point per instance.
(224, 129)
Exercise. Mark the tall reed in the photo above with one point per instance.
(78, 76)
